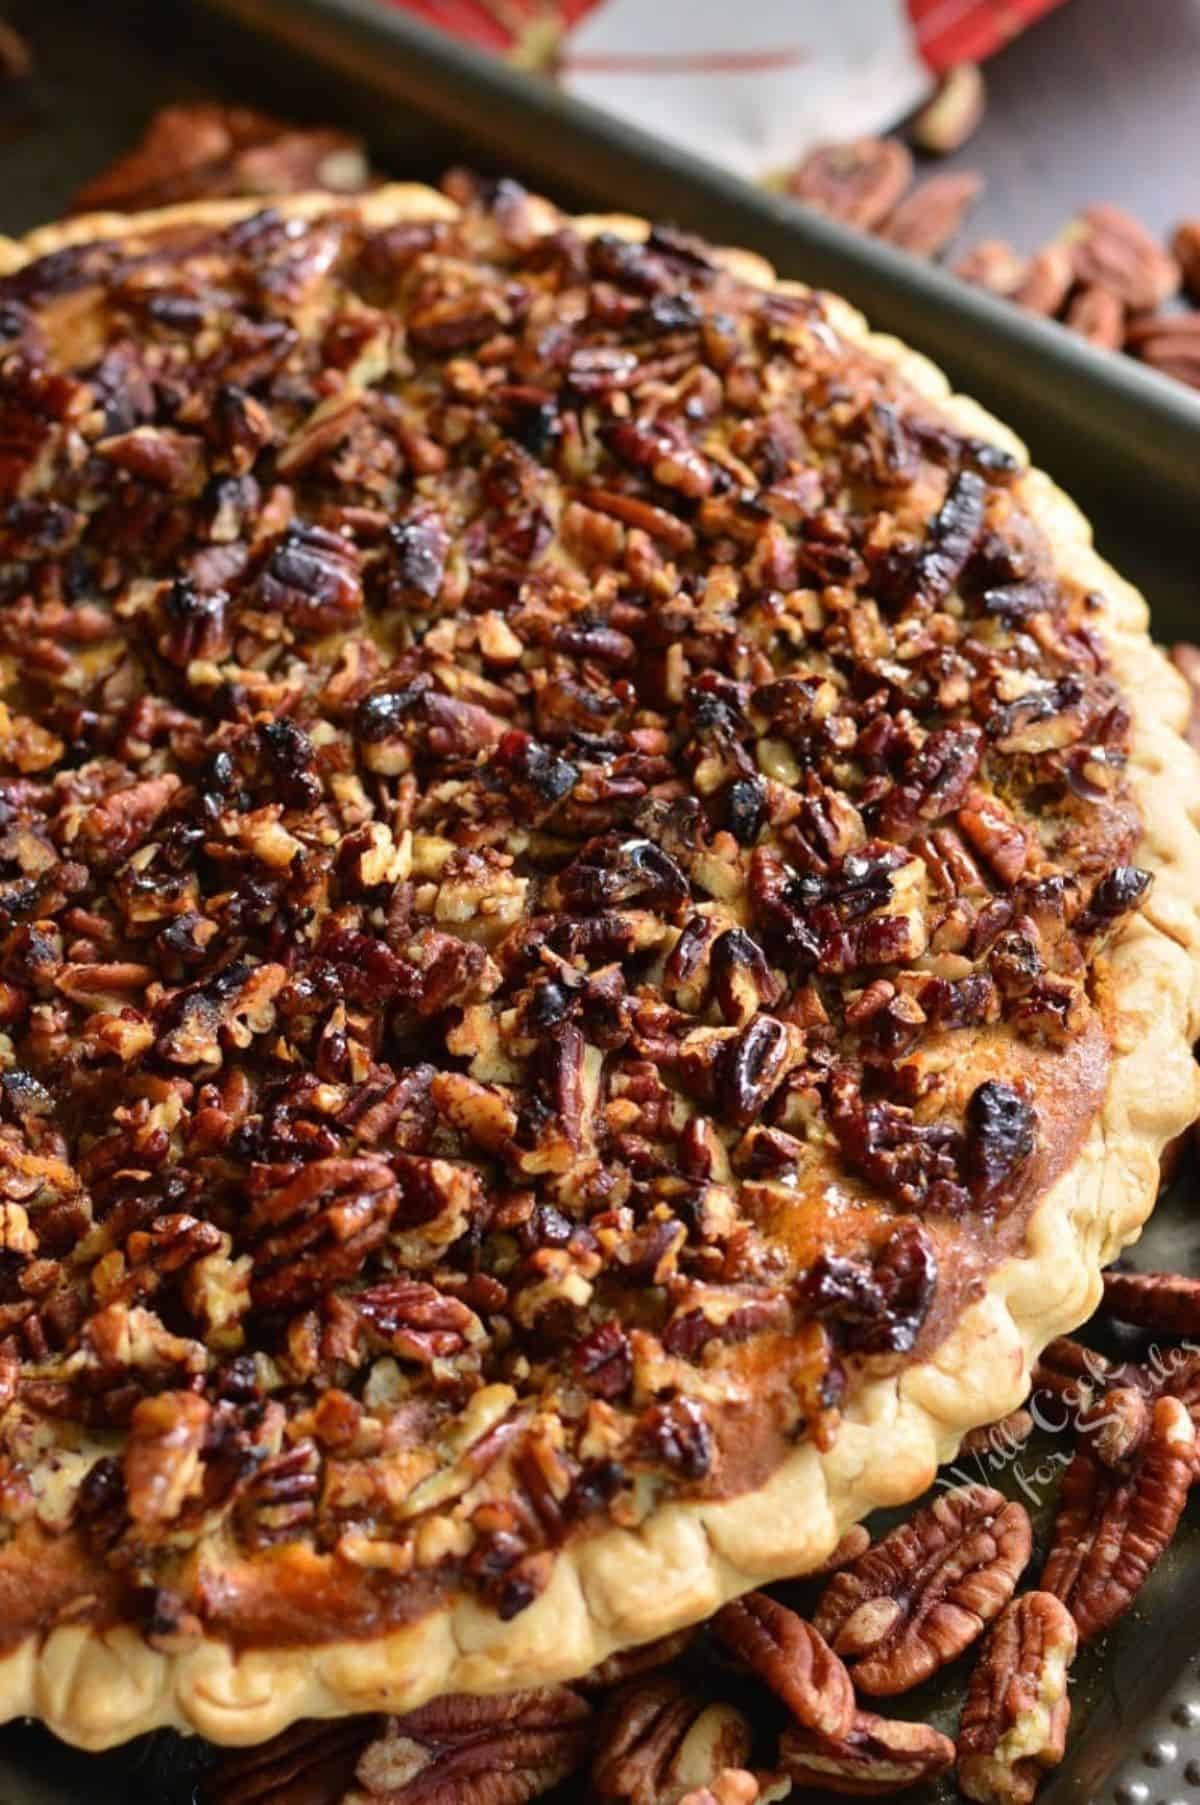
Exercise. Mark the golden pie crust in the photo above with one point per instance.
(616, 1587)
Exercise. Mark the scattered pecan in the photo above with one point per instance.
(926, 220)
(793, 1658)
(992, 264)
(954, 113)
(656, 1741)
(499, 1750)
(916, 1599)
(1111, 1528)
(1014, 1722)
(1185, 248)
(311, 1764)
(858, 183)
(1111, 249)
(1116, 1424)
(631, 1663)
(1168, 1302)
(1047, 281)
(998, 1438)
(1169, 342)
(878, 1755)
(1098, 315)
(856, 1541)
(210, 150)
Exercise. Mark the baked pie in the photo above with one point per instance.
(599, 941)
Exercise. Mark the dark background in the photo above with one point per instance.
(1098, 101)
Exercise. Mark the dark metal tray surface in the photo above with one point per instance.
(1123, 441)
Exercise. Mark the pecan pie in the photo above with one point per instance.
(598, 942)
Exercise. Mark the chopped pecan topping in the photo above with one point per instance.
(1112, 1526)
(1014, 1723)
(793, 1658)
(525, 759)
(878, 1755)
(916, 1599)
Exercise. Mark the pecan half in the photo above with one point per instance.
(1168, 1302)
(877, 1755)
(792, 1657)
(1111, 1528)
(925, 1592)
(1047, 281)
(312, 1763)
(927, 219)
(993, 264)
(1169, 342)
(1116, 1424)
(476, 1751)
(657, 1741)
(1112, 249)
(630, 1663)
(1098, 315)
(858, 183)
(1014, 1722)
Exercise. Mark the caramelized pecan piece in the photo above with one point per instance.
(918, 1598)
(792, 1657)
(878, 1755)
(460, 1750)
(656, 1742)
(1014, 1723)
(1111, 1528)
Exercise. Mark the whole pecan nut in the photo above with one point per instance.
(1166, 1301)
(1014, 1723)
(877, 1755)
(927, 219)
(858, 183)
(1111, 248)
(657, 1741)
(923, 1594)
(793, 1658)
(476, 1751)
(312, 1763)
(1111, 1527)
(1169, 342)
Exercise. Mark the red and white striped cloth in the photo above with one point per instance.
(751, 84)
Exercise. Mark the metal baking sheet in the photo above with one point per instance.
(1123, 441)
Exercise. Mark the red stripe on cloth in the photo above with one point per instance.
(712, 62)
(965, 31)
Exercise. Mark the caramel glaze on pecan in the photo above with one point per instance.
(920, 1596)
(527, 763)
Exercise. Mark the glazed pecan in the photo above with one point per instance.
(878, 1755)
(1014, 1722)
(656, 1741)
(311, 1764)
(858, 183)
(1112, 1527)
(792, 1657)
(500, 1750)
(920, 1596)
(1114, 251)
(1168, 1302)
(926, 220)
